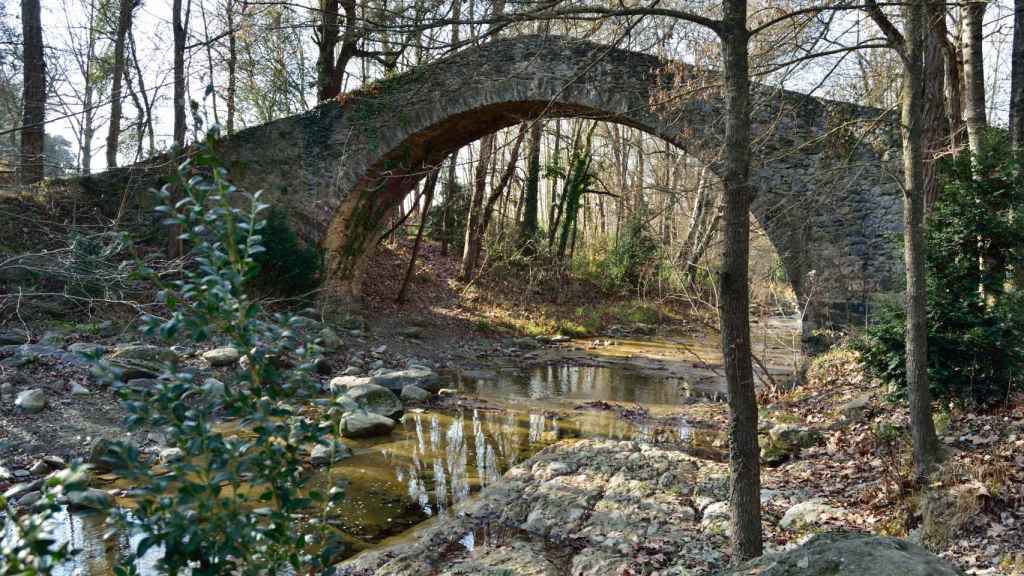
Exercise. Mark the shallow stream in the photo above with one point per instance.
(433, 460)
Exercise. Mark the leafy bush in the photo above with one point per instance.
(233, 503)
(28, 546)
(286, 266)
(975, 338)
(635, 253)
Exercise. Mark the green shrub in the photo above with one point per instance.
(235, 502)
(975, 334)
(287, 267)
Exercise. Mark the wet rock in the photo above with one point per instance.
(810, 513)
(341, 384)
(399, 379)
(376, 399)
(31, 401)
(39, 468)
(323, 455)
(222, 357)
(715, 519)
(413, 393)
(90, 499)
(849, 555)
(365, 425)
(13, 336)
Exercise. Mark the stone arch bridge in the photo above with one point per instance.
(826, 190)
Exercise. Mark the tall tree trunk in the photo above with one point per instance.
(1017, 78)
(179, 22)
(744, 453)
(913, 134)
(936, 123)
(232, 66)
(974, 71)
(33, 129)
(474, 220)
(147, 101)
(124, 22)
(528, 227)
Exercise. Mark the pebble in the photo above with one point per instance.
(39, 468)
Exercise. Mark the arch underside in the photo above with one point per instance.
(826, 202)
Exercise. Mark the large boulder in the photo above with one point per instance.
(398, 379)
(849, 555)
(365, 425)
(376, 399)
(413, 393)
(810, 513)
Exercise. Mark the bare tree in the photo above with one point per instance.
(125, 12)
(33, 131)
(910, 46)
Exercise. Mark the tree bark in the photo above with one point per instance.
(912, 120)
(474, 220)
(33, 129)
(936, 123)
(974, 71)
(1017, 78)
(531, 195)
(744, 453)
(124, 22)
(179, 23)
(232, 66)
(330, 68)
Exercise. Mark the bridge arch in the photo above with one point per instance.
(825, 192)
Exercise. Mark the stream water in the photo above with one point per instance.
(433, 460)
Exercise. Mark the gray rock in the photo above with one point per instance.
(171, 455)
(87, 348)
(413, 393)
(39, 468)
(214, 389)
(79, 390)
(329, 340)
(849, 555)
(810, 513)
(411, 332)
(52, 338)
(854, 410)
(376, 399)
(341, 384)
(90, 499)
(399, 379)
(365, 425)
(13, 336)
(22, 473)
(223, 356)
(141, 360)
(715, 519)
(102, 454)
(55, 462)
(29, 499)
(791, 436)
(351, 371)
(346, 404)
(31, 401)
(446, 392)
(323, 455)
